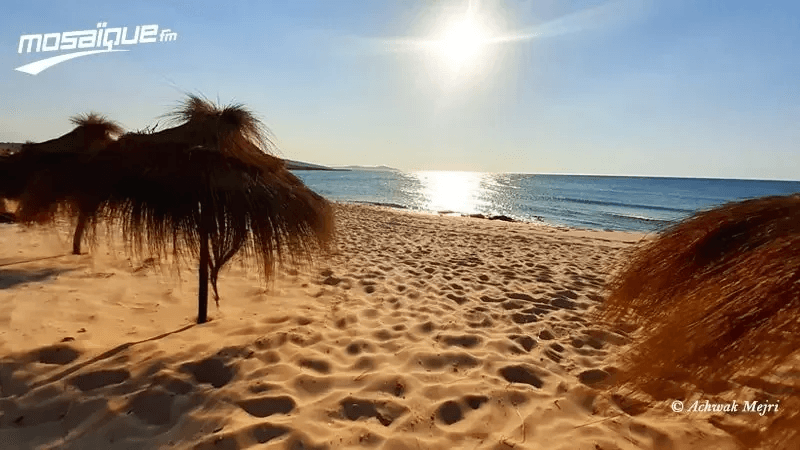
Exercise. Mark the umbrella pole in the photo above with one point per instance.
(202, 301)
(76, 238)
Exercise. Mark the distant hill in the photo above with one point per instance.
(299, 165)
(378, 168)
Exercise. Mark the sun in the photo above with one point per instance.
(461, 47)
(462, 42)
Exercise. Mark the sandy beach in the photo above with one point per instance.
(418, 331)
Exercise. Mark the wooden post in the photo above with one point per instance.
(76, 238)
(202, 300)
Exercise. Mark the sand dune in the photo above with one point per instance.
(418, 332)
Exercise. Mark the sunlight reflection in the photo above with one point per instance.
(460, 192)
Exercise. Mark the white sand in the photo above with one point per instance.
(419, 332)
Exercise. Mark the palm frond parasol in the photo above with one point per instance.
(717, 297)
(41, 172)
(207, 189)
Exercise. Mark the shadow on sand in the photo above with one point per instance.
(12, 277)
(133, 393)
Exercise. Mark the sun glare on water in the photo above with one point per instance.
(452, 191)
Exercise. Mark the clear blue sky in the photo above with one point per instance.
(665, 87)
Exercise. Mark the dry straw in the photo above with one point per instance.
(717, 297)
(38, 172)
(206, 188)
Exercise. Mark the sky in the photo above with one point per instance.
(623, 87)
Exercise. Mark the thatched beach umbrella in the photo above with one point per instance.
(205, 189)
(39, 171)
(717, 296)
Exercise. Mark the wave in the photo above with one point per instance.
(625, 205)
(387, 205)
(650, 220)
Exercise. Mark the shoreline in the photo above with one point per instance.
(625, 236)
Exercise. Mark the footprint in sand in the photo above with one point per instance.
(563, 303)
(526, 342)
(522, 318)
(386, 412)
(331, 281)
(524, 297)
(512, 304)
(553, 355)
(449, 412)
(426, 327)
(267, 406)
(383, 335)
(343, 322)
(546, 335)
(475, 401)
(399, 327)
(593, 377)
(56, 354)
(173, 384)
(465, 341)
(459, 299)
(521, 374)
(356, 347)
(316, 365)
(152, 406)
(454, 360)
(100, 378)
(211, 370)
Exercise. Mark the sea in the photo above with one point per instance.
(620, 203)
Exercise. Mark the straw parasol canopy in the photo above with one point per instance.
(717, 298)
(40, 172)
(205, 189)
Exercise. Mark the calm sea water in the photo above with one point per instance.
(595, 202)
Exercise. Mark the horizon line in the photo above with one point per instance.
(567, 174)
(334, 166)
